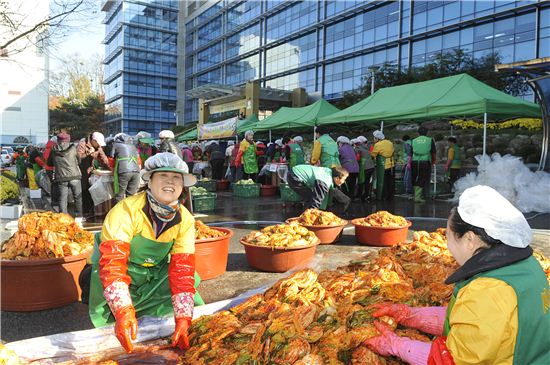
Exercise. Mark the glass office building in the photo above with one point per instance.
(327, 46)
(140, 65)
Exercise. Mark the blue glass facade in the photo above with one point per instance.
(328, 46)
(140, 65)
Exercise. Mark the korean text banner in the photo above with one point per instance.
(224, 129)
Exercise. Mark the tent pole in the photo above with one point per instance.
(484, 133)
(382, 126)
(270, 136)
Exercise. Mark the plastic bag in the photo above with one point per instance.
(101, 189)
(527, 190)
(43, 181)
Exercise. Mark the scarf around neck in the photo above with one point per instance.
(164, 212)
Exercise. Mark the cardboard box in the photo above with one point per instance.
(35, 194)
(11, 211)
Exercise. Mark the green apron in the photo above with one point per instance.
(527, 279)
(362, 164)
(21, 167)
(329, 152)
(456, 157)
(149, 289)
(115, 174)
(380, 170)
(249, 160)
(296, 155)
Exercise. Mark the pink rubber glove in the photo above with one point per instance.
(426, 319)
(388, 343)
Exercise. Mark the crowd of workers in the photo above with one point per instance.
(68, 166)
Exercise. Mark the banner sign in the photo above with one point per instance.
(224, 129)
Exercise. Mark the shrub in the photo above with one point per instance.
(8, 187)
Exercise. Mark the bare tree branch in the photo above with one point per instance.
(40, 25)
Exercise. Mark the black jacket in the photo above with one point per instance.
(170, 146)
(126, 153)
(64, 160)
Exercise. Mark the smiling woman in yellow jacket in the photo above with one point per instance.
(144, 262)
(499, 312)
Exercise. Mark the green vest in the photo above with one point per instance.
(422, 148)
(21, 167)
(329, 152)
(456, 159)
(250, 162)
(307, 174)
(296, 155)
(149, 289)
(529, 282)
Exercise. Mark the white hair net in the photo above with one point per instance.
(167, 161)
(298, 139)
(248, 133)
(483, 207)
(354, 141)
(166, 134)
(143, 134)
(378, 134)
(343, 139)
(231, 143)
(362, 139)
(279, 142)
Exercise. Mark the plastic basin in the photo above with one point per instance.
(31, 285)
(222, 185)
(326, 234)
(268, 190)
(277, 259)
(380, 236)
(211, 254)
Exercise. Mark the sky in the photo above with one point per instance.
(85, 40)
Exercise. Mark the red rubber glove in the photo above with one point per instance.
(113, 262)
(181, 276)
(399, 312)
(126, 327)
(180, 338)
(388, 343)
(239, 159)
(427, 319)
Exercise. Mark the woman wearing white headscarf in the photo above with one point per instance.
(499, 312)
(382, 153)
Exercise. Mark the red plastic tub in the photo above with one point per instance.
(32, 285)
(380, 236)
(268, 190)
(271, 259)
(222, 185)
(211, 254)
(326, 234)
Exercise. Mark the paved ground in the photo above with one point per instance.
(239, 276)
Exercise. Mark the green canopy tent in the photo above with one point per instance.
(246, 124)
(190, 135)
(453, 96)
(296, 118)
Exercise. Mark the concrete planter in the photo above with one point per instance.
(11, 211)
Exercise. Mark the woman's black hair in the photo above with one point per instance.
(339, 171)
(459, 228)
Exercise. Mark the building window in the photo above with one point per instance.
(239, 72)
(291, 19)
(243, 42)
(296, 53)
